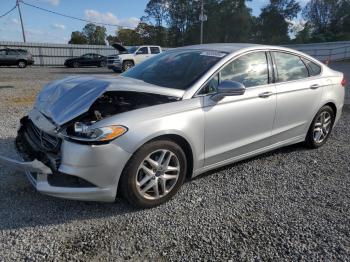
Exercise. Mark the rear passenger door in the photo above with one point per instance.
(299, 91)
(12, 57)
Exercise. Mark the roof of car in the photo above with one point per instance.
(229, 47)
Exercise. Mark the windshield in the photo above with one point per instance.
(132, 49)
(175, 69)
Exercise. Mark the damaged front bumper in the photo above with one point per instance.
(72, 170)
(35, 167)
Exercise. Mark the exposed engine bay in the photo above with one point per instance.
(113, 103)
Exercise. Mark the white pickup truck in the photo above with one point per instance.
(131, 56)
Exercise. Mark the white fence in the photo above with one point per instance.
(333, 51)
(56, 54)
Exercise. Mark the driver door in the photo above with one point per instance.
(141, 55)
(238, 125)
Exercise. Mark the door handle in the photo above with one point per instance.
(315, 86)
(266, 94)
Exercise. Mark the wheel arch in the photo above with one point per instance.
(129, 60)
(184, 144)
(176, 138)
(333, 106)
(22, 60)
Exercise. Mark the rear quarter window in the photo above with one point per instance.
(314, 68)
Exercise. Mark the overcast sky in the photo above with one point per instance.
(43, 27)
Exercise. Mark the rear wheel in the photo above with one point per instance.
(102, 64)
(76, 64)
(154, 174)
(320, 128)
(127, 65)
(22, 64)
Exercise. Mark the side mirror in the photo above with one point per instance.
(229, 88)
(139, 53)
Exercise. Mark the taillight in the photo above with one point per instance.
(343, 82)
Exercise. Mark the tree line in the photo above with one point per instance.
(174, 23)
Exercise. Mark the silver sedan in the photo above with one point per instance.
(175, 116)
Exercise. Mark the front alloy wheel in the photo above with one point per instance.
(157, 175)
(154, 174)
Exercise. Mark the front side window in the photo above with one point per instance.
(178, 69)
(289, 67)
(250, 70)
(2, 52)
(143, 51)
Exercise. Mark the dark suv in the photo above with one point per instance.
(19, 57)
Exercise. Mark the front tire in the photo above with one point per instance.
(127, 65)
(22, 64)
(154, 174)
(320, 128)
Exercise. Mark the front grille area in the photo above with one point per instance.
(33, 143)
(46, 141)
(113, 60)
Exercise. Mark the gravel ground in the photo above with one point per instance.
(290, 204)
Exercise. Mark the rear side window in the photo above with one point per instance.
(250, 70)
(290, 67)
(2, 52)
(314, 68)
(155, 50)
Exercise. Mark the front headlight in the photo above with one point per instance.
(84, 132)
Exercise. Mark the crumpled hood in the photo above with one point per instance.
(66, 99)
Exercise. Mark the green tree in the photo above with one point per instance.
(78, 38)
(273, 22)
(156, 13)
(129, 37)
(96, 35)
(112, 39)
(329, 19)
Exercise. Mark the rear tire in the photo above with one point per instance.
(320, 128)
(102, 64)
(159, 166)
(22, 64)
(76, 64)
(127, 65)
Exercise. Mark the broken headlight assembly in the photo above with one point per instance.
(87, 133)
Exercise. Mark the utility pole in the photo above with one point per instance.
(202, 18)
(20, 16)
